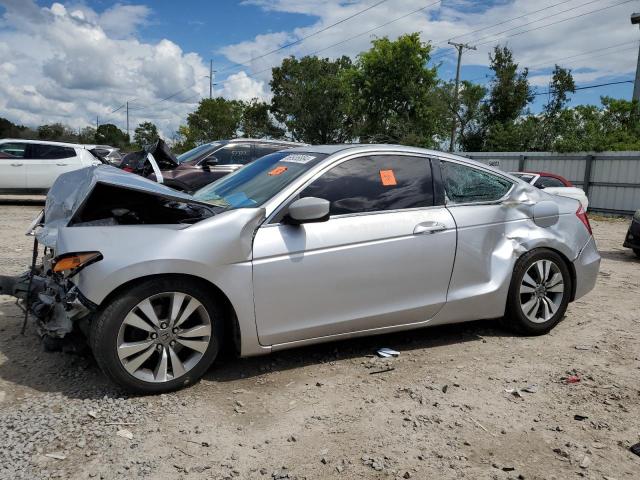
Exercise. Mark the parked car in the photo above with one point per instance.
(632, 240)
(31, 166)
(110, 154)
(209, 162)
(302, 246)
(554, 184)
(151, 161)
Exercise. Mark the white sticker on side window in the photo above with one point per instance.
(297, 158)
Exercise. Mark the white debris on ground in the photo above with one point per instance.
(438, 410)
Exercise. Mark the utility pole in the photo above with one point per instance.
(97, 124)
(210, 77)
(635, 20)
(460, 47)
(128, 139)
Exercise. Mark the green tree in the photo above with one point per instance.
(394, 98)
(214, 119)
(469, 114)
(509, 92)
(87, 135)
(56, 132)
(310, 97)
(9, 129)
(257, 121)
(145, 134)
(109, 134)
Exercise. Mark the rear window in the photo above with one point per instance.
(465, 184)
(49, 152)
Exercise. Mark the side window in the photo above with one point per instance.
(544, 182)
(234, 154)
(375, 183)
(266, 149)
(12, 150)
(49, 152)
(464, 184)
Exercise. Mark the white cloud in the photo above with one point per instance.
(453, 18)
(69, 63)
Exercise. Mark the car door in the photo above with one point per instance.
(223, 161)
(12, 168)
(475, 197)
(46, 162)
(383, 259)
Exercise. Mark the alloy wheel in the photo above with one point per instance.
(541, 291)
(164, 336)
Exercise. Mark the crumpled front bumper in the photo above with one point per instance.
(56, 303)
(587, 266)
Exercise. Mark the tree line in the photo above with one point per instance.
(390, 94)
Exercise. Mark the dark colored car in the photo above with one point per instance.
(543, 179)
(632, 240)
(209, 162)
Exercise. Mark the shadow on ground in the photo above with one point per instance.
(621, 255)
(28, 365)
(22, 201)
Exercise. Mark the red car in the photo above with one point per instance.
(543, 179)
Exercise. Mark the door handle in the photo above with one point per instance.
(429, 227)
(17, 164)
(62, 164)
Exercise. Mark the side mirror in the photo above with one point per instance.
(210, 162)
(308, 210)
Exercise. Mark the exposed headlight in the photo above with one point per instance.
(636, 216)
(72, 263)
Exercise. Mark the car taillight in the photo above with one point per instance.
(582, 215)
(127, 169)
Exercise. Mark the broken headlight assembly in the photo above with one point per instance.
(71, 263)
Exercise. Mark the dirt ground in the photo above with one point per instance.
(327, 412)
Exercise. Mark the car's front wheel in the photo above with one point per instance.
(539, 293)
(159, 335)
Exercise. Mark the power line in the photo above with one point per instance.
(537, 20)
(586, 87)
(561, 21)
(312, 34)
(549, 63)
(509, 20)
(444, 53)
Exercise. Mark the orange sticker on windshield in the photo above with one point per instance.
(388, 178)
(277, 171)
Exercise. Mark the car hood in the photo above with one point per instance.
(71, 191)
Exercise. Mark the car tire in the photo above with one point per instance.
(539, 293)
(637, 252)
(159, 335)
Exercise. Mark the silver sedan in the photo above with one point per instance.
(302, 246)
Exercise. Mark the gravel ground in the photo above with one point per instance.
(326, 412)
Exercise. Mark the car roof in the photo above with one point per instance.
(41, 142)
(256, 140)
(378, 147)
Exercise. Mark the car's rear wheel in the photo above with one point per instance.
(159, 335)
(637, 252)
(539, 293)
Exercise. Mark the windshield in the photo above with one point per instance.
(253, 185)
(198, 152)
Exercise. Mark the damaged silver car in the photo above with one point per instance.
(302, 246)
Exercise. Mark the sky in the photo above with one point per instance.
(73, 62)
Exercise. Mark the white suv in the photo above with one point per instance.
(31, 166)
